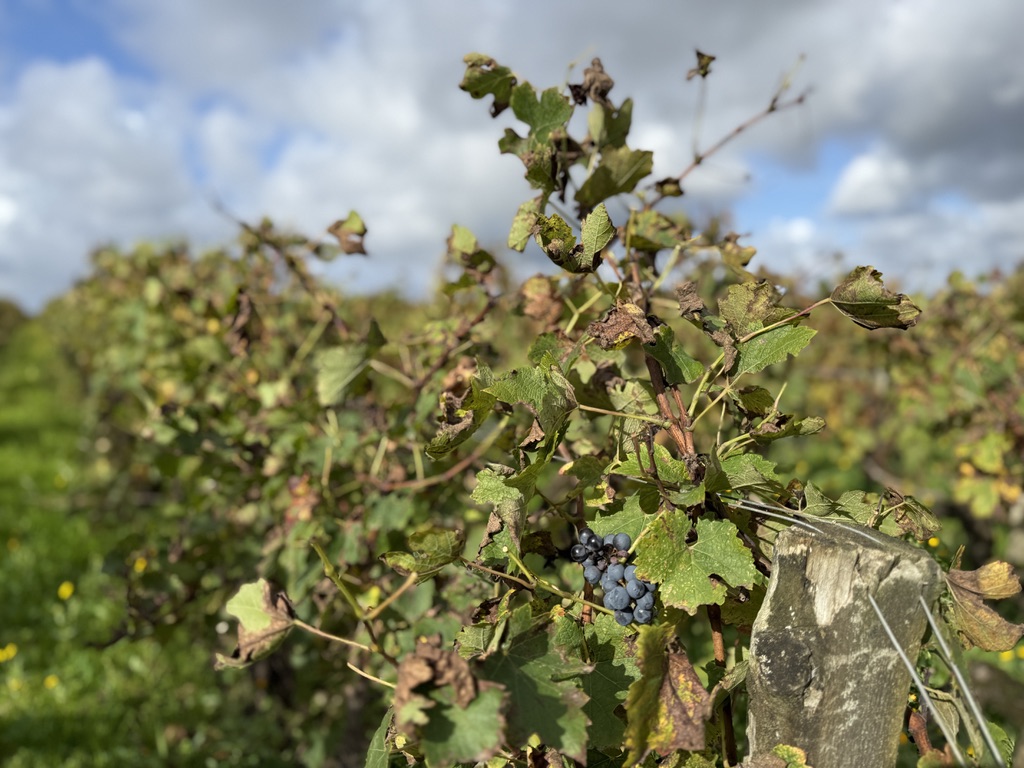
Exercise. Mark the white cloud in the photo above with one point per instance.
(303, 111)
(874, 182)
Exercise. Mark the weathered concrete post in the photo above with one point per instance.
(823, 675)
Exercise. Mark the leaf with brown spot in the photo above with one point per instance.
(864, 299)
(265, 617)
(667, 707)
(623, 323)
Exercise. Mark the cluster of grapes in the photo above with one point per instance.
(603, 562)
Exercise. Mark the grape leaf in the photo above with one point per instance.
(543, 115)
(264, 619)
(485, 77)
(556, 239)
(864, 299)
(651, 231)
(667, 707)
(744, 471)
(614, 670)
(339, 367)
(748, 307)
(772, 347)
(505, 527)
(523, 223)
(597, 232)
(637, 511)
(543, 389)
(619, 170)
(692, 575)
(976, 622)
(349, 232)
(679, 367)
(470, 734)
(462, 418)
(542, 699)
(432, 549)
(378, 754)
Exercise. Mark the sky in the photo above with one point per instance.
(126, 120)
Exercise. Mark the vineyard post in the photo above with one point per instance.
(823, 674)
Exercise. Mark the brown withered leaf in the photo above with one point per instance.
(623, 323)
(541, 301)
(431, 664)
(993, 581)
(596, 84)
(690, 302)
(977, 623)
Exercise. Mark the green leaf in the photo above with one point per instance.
(652, 231)
(863, 298)
(744, 471)
(619, 171)
(609, 127)
(523, 223)
(378, 754)
(496, 485)
(556, 239)
(670, 469)
(597, 232)
(679, 367)
(637, 511)
(772, 347)
(614, 670)
(667, 707)
(264, 619)
(542, 699)
(432, 549)
(338, 368)
(543, 389)
(484, 77)
(784, 425)
(692, 575)
(543, 115)
(454, 734)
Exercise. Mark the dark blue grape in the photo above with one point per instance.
(635, 589)
(616, 571)
(642, 615)
(622, 541)
(651, 587)
(594, 544)
(609, 540)
(588, 562)
(628, 574)
(625, 618)
(608, 583)
(585, 536)
(617, 599)
(591, 574)
(578, 553)
(645, 601)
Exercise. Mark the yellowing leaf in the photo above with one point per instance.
(667, 707)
